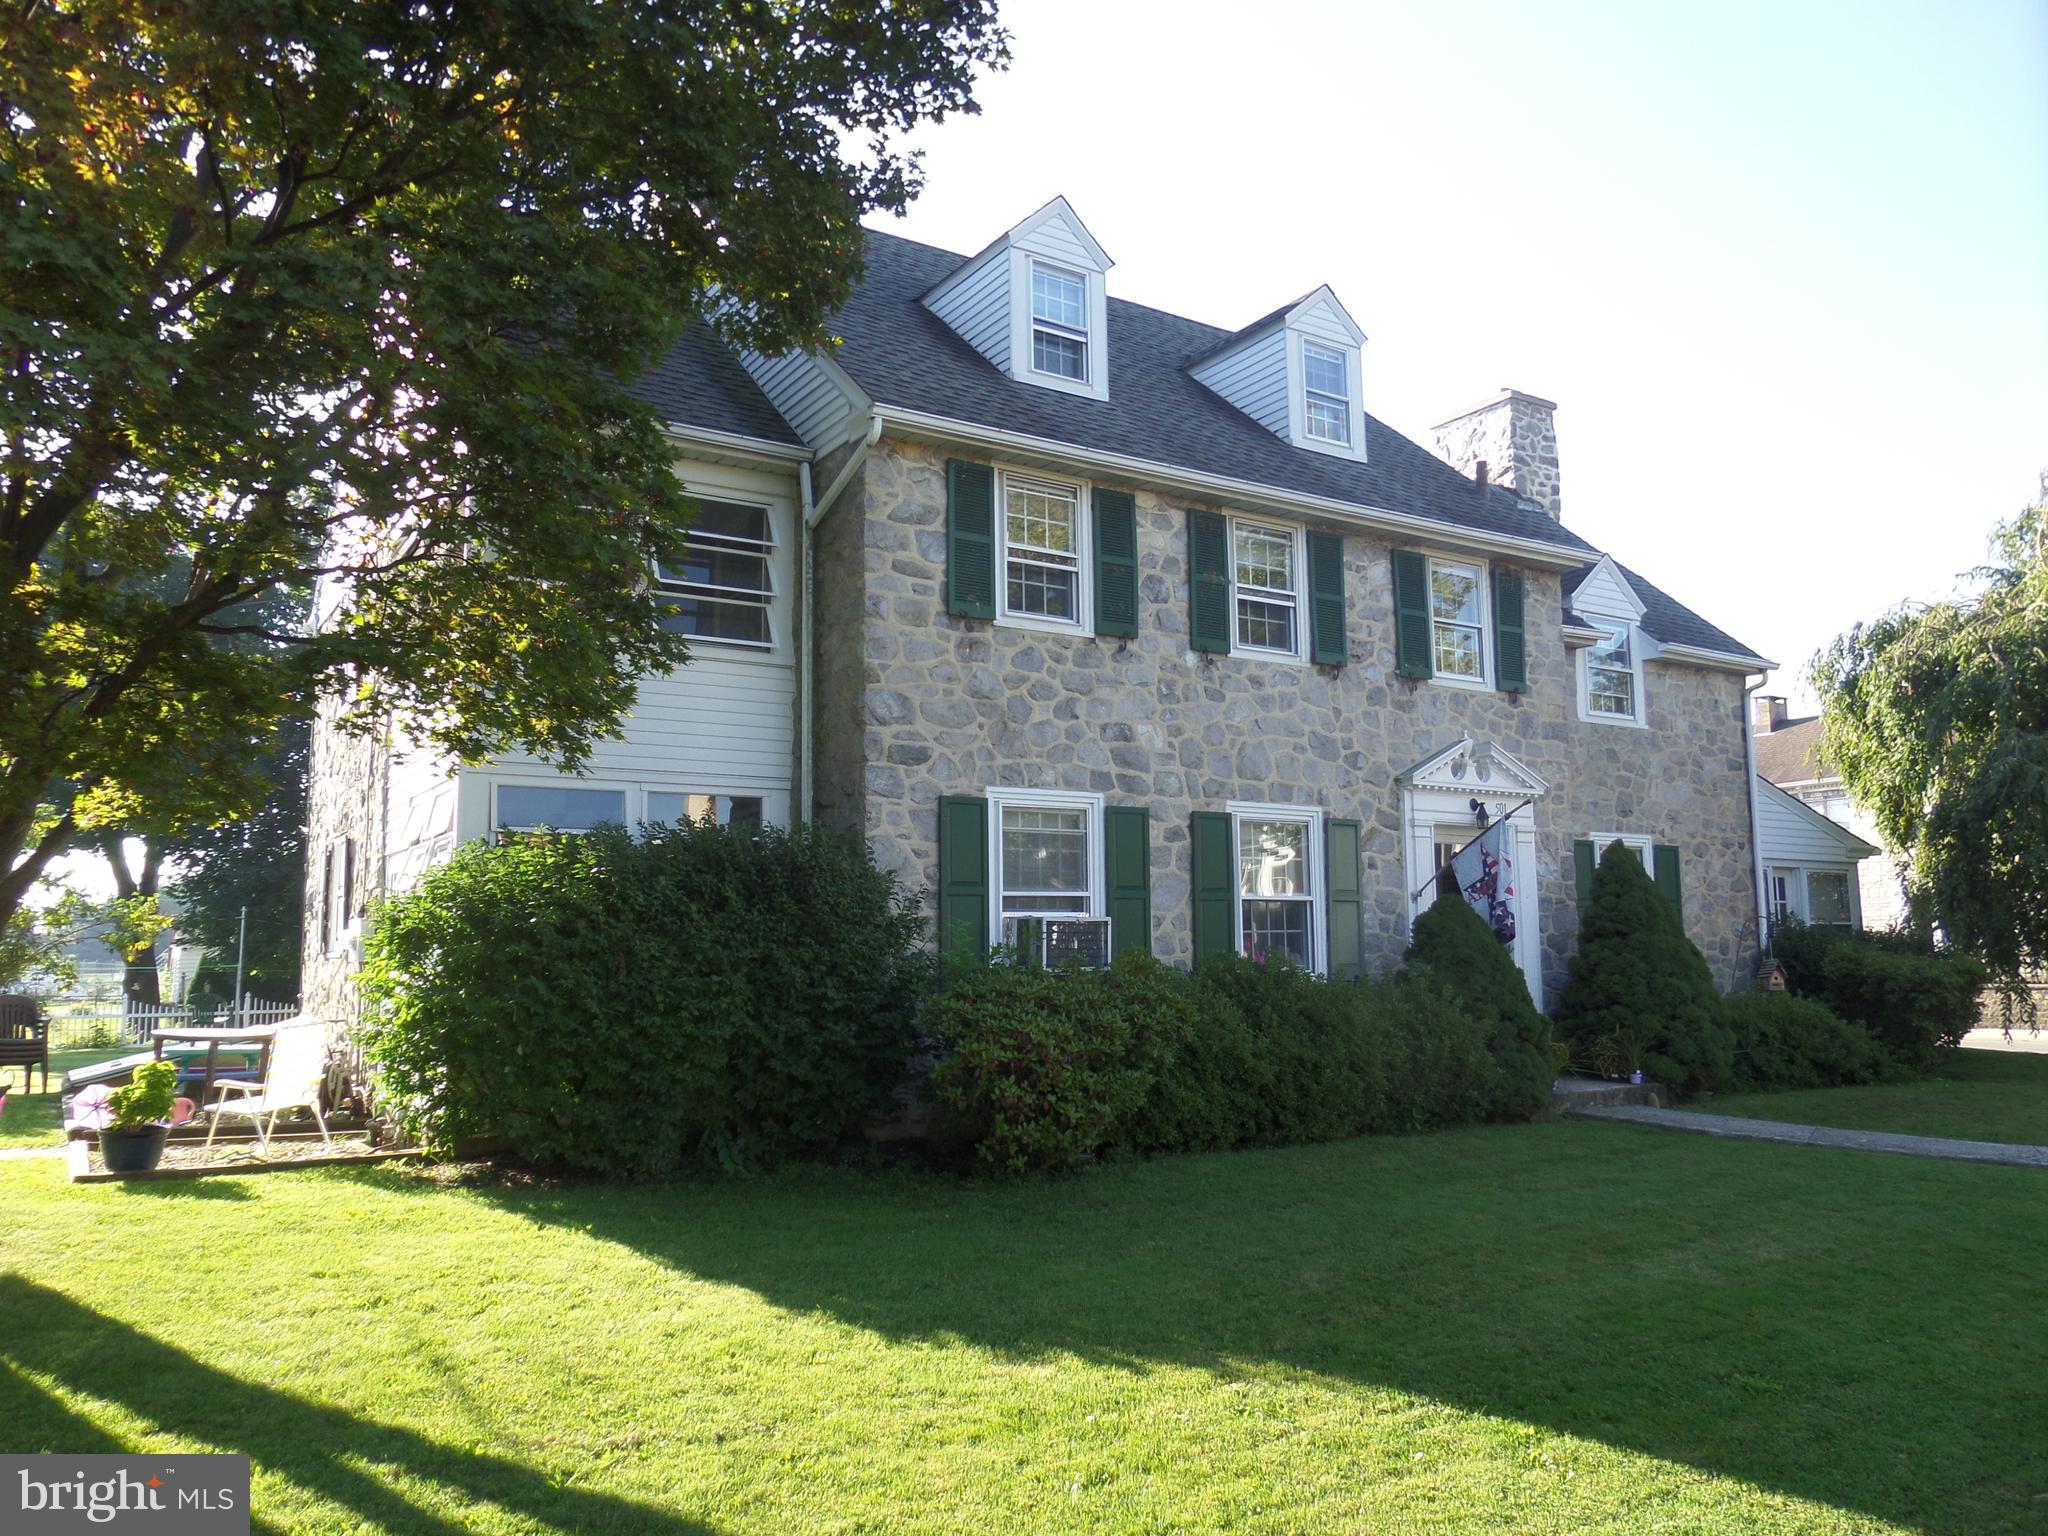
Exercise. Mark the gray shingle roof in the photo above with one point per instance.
(699, 383)
(1668, 620)
(1791, 753)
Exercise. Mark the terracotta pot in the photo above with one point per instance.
(136, 1151)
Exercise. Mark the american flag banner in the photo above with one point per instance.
(1484, 870)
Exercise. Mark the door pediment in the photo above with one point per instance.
(1479, 769)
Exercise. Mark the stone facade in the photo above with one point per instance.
(914, 703)
(1515, 436)
(347, 804)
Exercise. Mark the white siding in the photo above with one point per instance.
(1605, 593)
(1254, 379)
(977, 305)
(807, 392)
(1056, 240)
(1790, 833)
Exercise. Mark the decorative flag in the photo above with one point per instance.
(1485, 872)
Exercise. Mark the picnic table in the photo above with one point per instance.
(214, 1038)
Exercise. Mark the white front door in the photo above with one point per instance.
(1441, 823)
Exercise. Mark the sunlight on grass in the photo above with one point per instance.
(1568, 1327)
(1973, 1096)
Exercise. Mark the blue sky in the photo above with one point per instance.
(1784, 268)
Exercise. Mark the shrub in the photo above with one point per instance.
(725, 995)
(1638, 984)
(148, 1098)
(1453, 943)
(1913, 1005)
(1043, 1069)
(1783, 1041)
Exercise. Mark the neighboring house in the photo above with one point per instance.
(1069, 606)
(1788, 758)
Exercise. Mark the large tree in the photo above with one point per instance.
(1937, 718)
(341, 292)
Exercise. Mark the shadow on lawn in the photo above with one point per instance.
(1782, 1317)
(322, 1450)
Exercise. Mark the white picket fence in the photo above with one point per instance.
(74, 1026)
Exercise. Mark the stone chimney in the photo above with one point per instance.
(1770, 713)
(1513, 435)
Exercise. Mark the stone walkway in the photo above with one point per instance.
(17, 1154)
(1822, 1135)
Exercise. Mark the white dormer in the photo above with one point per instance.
(1299, 372)
(1611, 647)
(1034, 303)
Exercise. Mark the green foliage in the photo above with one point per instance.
(1452, 943)
(1639, 985)
(1783, 1041)
(351, 287)
(1914, 1006)
(147, 1099)
(1044, 1068)
(727, 996)
(1937, 718)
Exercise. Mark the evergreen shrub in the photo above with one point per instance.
(1454, 944)
(1783, 1041)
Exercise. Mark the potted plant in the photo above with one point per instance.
(138, 1118)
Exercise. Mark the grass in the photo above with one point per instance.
(1568, 1327)
(1973, 1096)
(31, 1119)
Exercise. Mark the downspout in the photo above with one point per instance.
(814, 514)
(1756, 847)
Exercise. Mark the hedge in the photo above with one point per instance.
(1783, 1041)
(1913, 999)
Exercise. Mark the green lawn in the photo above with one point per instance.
(1975, 1095)
(1565, 1327)
(31, 1119)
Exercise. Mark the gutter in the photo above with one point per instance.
(1756, 847)
(1536, 552)
(1727, 661)
(735, 442)
(814, 513)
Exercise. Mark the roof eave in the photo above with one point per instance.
(1727, 661)
(736, 444)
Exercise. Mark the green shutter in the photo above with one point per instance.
(1664, 858)
(1127, 832)
(1116, 563)
(1327, 646)
(1411, 614)
(1208, 581)
(1510, 647)
(1215, 886)
(963, 876)
(970, 539)
(1584, 859)
(1341, 864)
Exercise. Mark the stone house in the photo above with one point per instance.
(1073, 608)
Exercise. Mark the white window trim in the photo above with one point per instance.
(1343, 356)
(1242, 811)
(1083, 622)
(1082, 333)
(1801, 894)
(1640, 719)
(1484, 682)
(1096, 385)
(629, 796)
(1640, 843)
(769, 600)
(1297, 394)
(1299, 533)
(1048, 800)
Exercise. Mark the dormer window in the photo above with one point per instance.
(1059, 322)
(1327, 382)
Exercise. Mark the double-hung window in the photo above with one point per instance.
(1044, 534)
(1048, 855)
(1278, 885)
(1326, 381)
(720, 587)
(1059, 322)
(1266, 564)
(1457, 608)
(1612, 674)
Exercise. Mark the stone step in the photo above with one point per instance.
(1569, 1093)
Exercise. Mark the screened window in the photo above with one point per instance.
(1042, 532)
(533, 808)
(721, 586)
(726, 810)
(1458, 620)
(1326, 376)
(1044, 858)
(1827, 898)
(1267, 604)
(1611, 674)
(1276, 904)
(1059, 322)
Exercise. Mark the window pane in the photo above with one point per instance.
(1328, 420)
(1045, 859)
(711, 566)
(1610, 693)
(1827, 896)
(1276, 930)
(1061, 297)
(1457, 651)
(1323, 371)
(726, 810)
(1612, 651)
(1454, 591)
(1269, 626)
(566, 810)
(1042, 590)
(1042, 517)
(707, 618)
(1272, 858)
(1265, 558)
(1063, 356)
(730, 521)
